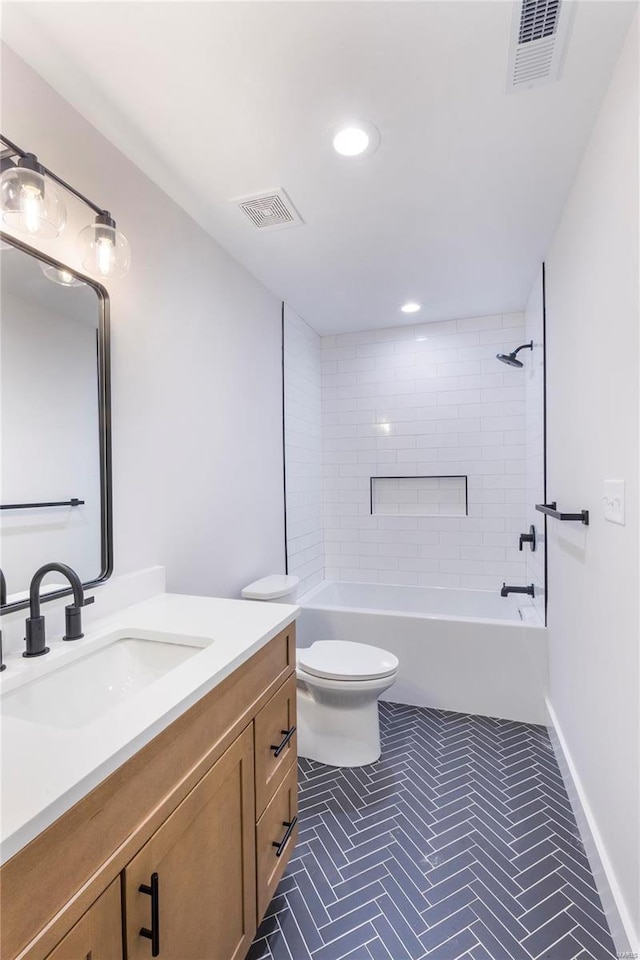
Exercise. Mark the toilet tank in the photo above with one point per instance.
(276, 588)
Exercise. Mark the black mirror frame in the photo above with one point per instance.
(104, 426)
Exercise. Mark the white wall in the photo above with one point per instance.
(534, 431)
(303, 451)
(425, 400)
(49, 412)
(196, 365)
(593, 423)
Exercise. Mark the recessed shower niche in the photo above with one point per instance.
(445, 496)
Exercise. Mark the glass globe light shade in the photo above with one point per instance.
(29, 201)
(59, 275)
(103, 250)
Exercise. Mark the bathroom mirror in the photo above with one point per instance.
(55, 485)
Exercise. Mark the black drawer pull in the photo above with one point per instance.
(154, 933)
(290, 828)
(287, 734)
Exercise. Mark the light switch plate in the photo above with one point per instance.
(613, 499)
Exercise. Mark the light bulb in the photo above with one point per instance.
(29, 201)
(31, 206)
(103, 249)
(104, 255)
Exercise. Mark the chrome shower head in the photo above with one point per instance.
(510, 358)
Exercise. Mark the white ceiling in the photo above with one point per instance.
(216, 100)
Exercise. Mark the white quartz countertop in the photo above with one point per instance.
(45, 769)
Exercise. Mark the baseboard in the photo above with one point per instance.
(620, 923)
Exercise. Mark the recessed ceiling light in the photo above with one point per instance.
(351, 141)
(355, 139)
(410, 307)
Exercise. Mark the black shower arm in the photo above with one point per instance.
(525, 346)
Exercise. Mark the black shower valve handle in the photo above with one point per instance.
(529, 538)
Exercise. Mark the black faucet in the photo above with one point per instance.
(506, 590)
(35, 634)
(3, 601)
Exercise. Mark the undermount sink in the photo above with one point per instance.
(78, 692)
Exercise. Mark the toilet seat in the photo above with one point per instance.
(343, 660)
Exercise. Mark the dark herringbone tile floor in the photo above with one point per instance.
(459, 843)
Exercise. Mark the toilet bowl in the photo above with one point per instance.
(339, 684)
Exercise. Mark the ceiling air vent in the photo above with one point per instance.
(270, 210)
(538, 41)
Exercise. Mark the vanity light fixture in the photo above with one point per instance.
(30, 203)
(410, 307)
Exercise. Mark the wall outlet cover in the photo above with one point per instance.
(613, 499)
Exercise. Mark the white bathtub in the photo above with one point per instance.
(471, 651)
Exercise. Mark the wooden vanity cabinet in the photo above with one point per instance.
(172, 842)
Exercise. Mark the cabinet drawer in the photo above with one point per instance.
(275, 839)
(275, 745)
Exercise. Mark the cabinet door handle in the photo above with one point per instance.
(154, 933)
(290, 825)
(287, 734)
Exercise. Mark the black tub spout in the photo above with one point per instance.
(507, 589)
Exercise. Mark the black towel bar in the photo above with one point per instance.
(551, 510)
(74, 502)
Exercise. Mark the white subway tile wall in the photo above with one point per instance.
(534, 394)
(425, 400)
(303, 451)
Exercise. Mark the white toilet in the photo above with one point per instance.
(339, 684)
